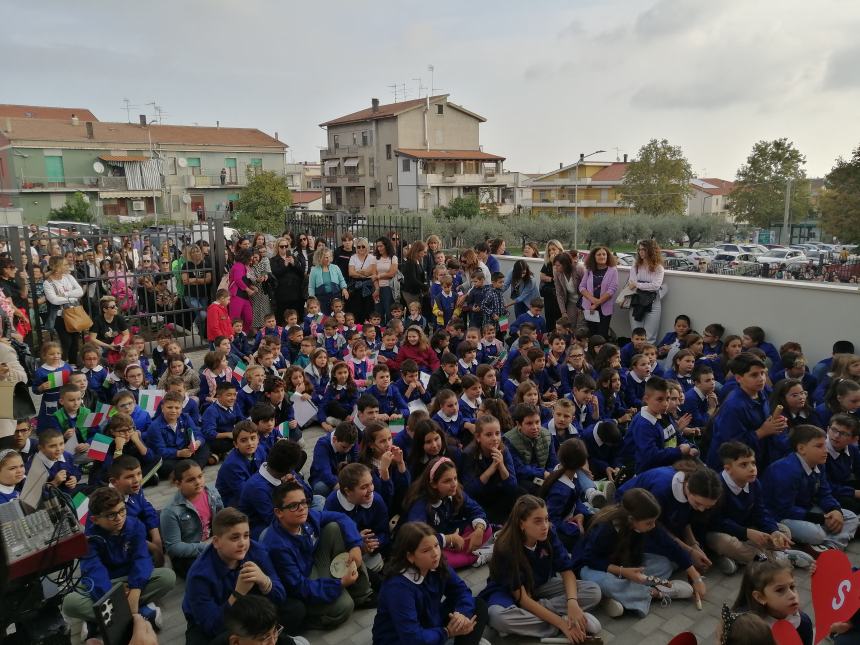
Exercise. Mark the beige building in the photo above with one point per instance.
(304, 175)
(587, 187)
(411, 155)
(709, 196)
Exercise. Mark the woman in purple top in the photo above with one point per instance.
(598, 289)
(241, 290)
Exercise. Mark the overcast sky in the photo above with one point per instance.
(553, 78)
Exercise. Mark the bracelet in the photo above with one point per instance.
(569, 599)
(237, 594)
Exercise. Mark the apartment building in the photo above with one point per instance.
(304, 175)
(709, 196)
(128, 170)
(587, 187)
(410, 155)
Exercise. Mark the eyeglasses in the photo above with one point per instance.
(293, 507)
(113, 516)
(303, 239)
(840, 433)
(110, 307)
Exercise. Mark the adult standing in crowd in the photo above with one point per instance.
(386, 270)
(433, 245)
(289, 293)
(363, 281)
(196, 280)
(241, 289)
(415, 287)
(483, 251)
(598, 289)
(646, 277)
(146, 280)
(304, 253)
(469, 262)
(567, 274)
(497, 247)
(344, 252)
(326, 281)
(531, 250)
(108, 326)
(547, 283)
(258, 274)
(63, 291)
(394, 236)
(523, 285)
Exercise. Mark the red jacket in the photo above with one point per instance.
(218, 322)
(426, 359)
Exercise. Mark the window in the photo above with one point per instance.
(256, 166)
(388, 151)
(230, 166)
(2, 168)
(171, 166)
(390, 183)
(370, 166)
(336, 141)
(355, 138)
(406, 165)
(194, 165)
(365, 137)
(440, 109)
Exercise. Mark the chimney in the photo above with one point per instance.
(217, 124)
(8, 125)
(90, 133)
(582, 156)
(75, 119)
(374, 104)
(276, 136)
(625, 157)
(560, 165)
(142, 118)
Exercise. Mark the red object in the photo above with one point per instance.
(46, 560)
(426, 358)
(835, 591)
(784, 633)
(218, 322)
(684, 638)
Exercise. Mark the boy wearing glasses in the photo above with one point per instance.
(117, 553)
(302, 543)
(253, 620)
(843, 460)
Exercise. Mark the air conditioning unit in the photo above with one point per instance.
(138, 205)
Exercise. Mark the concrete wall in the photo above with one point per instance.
(814, 314)
(451, 130)
(386, 131)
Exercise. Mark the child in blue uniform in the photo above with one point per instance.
(126, 476)
(565, 494)
(332, 451)
(243, 461)
(63, 474)
(52, 366)
(843, 460)
(252, 391)
(96, 373)
(12, 474)
(387, 463)
(487, 469)
(174, 436)
(339, 399)
(219, 419)
(633, 388)
(392, 405)
(445, 410)
(422, 600)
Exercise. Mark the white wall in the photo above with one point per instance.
(812, 313)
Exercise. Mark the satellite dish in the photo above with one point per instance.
(182, 162)
(186, 198)
(99, 167)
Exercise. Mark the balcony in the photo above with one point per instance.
(343, 151)
(477, 179)
(33, 184)
(213, 180)
(344, 179)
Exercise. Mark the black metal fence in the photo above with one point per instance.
(146, 271)
(332, 225)
(827, 269)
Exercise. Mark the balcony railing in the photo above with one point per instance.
(36, 184)
(343, 151)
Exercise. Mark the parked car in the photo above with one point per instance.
(730, 260)
(625, 259)
(679, 264)
(783, 256)
(696, 254)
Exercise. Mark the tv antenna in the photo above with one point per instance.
(432, 70)
(159, 112)
(617, 153)
(421, 87)
(128, 107)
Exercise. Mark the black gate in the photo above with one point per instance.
(330, 226)
(146, 269)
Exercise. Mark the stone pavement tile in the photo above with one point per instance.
(650, 623)
(678, 623)
(706, 626)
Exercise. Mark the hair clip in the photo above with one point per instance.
(728, 617)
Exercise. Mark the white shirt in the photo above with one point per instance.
(359, 265)
(383, 265)
(733, 486)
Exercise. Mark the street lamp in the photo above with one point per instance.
(576, 197)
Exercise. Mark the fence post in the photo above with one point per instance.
(339, 227)
(216, 230)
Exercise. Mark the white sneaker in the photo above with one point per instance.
(726, 565)
(612, 607)
(484, 554)
(594, 497)
(798, 559)
(679, 590)
(300, 640)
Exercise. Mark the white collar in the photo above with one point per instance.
(358, 422)
(448, 419)
(7, 490)
(467, 365)
(732, 485)
(702, 396)
(94, 370)
(806, 467)
(678, 487)
(413, 576)
(339, 387)
(347, 505)
(475, 404)
(648, 416)
(802, 414)
(264, 471)
(247, 389)
(218, 403)
(567, 481)
(595, 434)
(833, 452)
(357, 361)
(47, 463)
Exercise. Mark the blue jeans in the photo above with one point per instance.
(812, 533)
(386, 299)
(200, 305)
(633, 596)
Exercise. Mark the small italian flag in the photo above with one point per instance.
(58, 378)
(98, 416)
(149, 400)
(503, 323)
(82, 507)
(284, 429)
(500, 361)
(239, 371)
(99, 446)
(395, 425)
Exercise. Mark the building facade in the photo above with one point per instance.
(411, 155)
(129, 170)
(304, 175)
(709, 196)
(587, 187)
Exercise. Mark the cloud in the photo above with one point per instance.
(572, 30)
(843, 71)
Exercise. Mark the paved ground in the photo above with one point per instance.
(656, 629)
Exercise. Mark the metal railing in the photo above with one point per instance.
(330, 226)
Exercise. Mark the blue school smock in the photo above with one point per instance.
(583, 415)
(560, 435)
(255, 500)
(566, 375)
(546, 560)
(293, 556)
(509, 390)
(65, 462)
(538, 321)
(633, 389)
(611, 407)
(444, 518)
(468, 408)
(563, 499)
(246, 398)
(651, 442)
(267, 441)
(95, 380)
(667, 485)
(686, 382)
(391, 401)
(140, 508)
(742, 508)
(235, 471)
(464, 368)
(373, 516)
(340, 394)
(203, 393)
(737, 420)
(773, 354)
(209, 583)
(600, 455)
(453, 426)
(696, 405)
(112, 556)
(843, 469)
(192, 409)
(403, 440)
(8, 493)
(471, 467)
(414, 610)
(396, 484)
(416, 395)
(217, 419)
(792, 489)
(327, 462)
(50, 398)
(597, 547)
(164, 440)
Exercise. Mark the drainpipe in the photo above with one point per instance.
(426, 125)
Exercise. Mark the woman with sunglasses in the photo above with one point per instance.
(304, 254)
(109, 326)
(290, 292)
(364, 283)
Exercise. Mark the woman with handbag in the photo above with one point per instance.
(363, 281)
(386, 271)
(567, 275)
(598, 289)
(415, 287)
(326, 281)
(646, 277)
(63, 292)
(289, 293)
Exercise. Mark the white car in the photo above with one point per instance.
(695, 254)
(783, 256)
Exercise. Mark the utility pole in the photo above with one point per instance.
(785, 238)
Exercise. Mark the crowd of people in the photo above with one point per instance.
(586, 470)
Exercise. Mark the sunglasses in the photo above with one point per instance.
(283, 246)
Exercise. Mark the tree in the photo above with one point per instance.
(657, 182)
(759, 193)
(704, 228)
(467, 207)
(840, 200)
(76, 209)
(263, 202)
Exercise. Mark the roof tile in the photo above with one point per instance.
(45, 112)
(459, 155)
